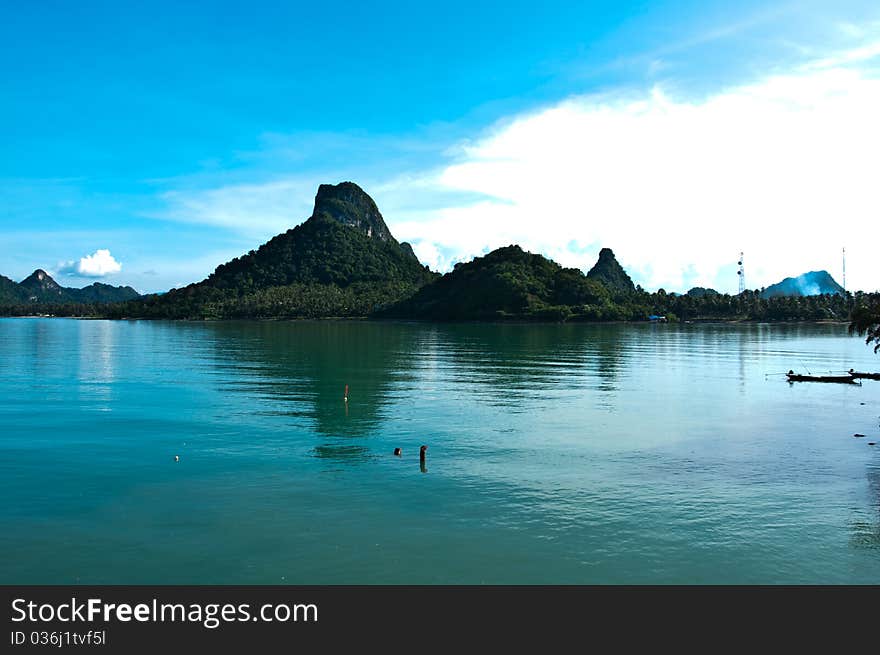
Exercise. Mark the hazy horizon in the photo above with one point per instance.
(79, 282)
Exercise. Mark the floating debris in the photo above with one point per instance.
(177, 458)
(398, 452)
(858, 434)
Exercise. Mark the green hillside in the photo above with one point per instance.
(341, 262)
(509, 283)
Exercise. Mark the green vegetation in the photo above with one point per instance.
(509, 283)
(320, 269)
(74, 309)
(343, 262)
(36, 293)
(320, 251)
(609, 272)
(102, 293)
(199, 301)
(348, 204)
(323, 269)
(750, 305)
(865, 320)
(10, 292)
(702, 291)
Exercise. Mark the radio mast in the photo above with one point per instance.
(844, 270)
(741, 273)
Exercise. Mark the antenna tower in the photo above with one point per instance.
(844, 270)
(741, 273)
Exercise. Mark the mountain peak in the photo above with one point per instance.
(609, 272)
(40, 279)
(350, 205)
(39, 287)
(813, 283)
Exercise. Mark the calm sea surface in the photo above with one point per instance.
(557, 454)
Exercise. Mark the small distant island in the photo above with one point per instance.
(39, 290)
(343, 262)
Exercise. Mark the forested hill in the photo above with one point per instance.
(10, 292)
(509, 283)
(341, 262)
(39, 289)
(343, 242)
(609, 272)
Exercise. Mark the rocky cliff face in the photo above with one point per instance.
(39, 286)
(345, 241)
(408, 250)
(348, 204)
(609, 272)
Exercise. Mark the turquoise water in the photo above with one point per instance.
(557, 454)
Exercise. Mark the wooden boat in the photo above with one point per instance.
(856, 375)
(846, 379)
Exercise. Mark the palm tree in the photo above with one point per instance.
(865, 321)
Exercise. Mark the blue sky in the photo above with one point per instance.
(177, 135)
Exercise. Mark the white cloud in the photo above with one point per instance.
(99, 264)
(785, 169)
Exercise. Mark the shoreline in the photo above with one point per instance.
(512, 321)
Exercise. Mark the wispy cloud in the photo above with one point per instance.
(276, 201)
(672, 44)
(864, 54)
(252, 209)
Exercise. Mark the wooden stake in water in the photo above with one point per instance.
(345, 397)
